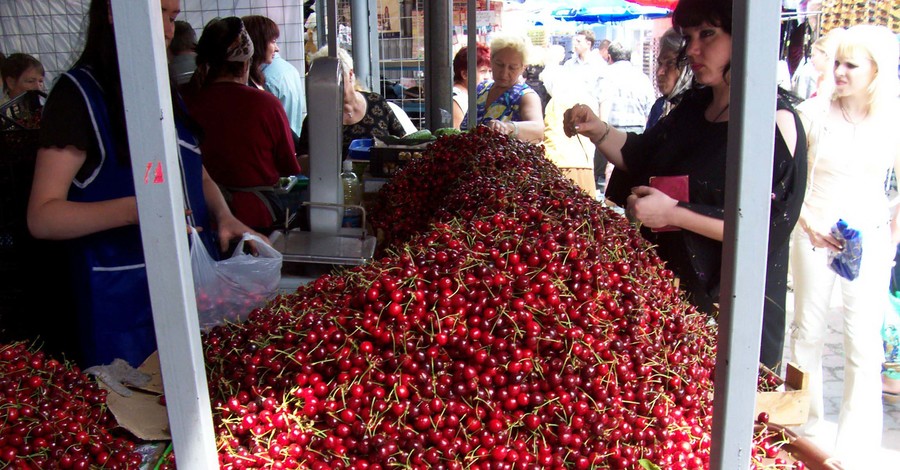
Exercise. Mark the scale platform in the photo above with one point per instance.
(349, 246)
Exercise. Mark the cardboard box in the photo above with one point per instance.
(788, 407)
(142, 414)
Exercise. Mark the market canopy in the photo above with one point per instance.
(606, 11)
(667, 4)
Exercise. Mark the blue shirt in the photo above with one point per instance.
(283, 80)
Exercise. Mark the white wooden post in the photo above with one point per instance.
(153, 144)
(748, 184)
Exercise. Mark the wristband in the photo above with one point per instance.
(515, 132)
(605, 133)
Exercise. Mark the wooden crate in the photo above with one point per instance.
(788, 407)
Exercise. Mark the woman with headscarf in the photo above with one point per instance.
(247, 143)
(673, 76)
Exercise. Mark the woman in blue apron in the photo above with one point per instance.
(84, 192)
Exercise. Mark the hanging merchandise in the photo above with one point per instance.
(847, 13)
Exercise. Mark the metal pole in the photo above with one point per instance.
(153, 144)
(471, 42)
(374, 52)
(359, 20)
(438, 64)
(321, 26)
(745, 246)
(331, 19)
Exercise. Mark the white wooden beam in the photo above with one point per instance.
(153, 144)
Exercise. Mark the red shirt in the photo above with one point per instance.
(247, 142)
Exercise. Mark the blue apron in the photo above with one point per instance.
(110, 276)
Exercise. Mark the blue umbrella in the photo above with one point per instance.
(605, 11)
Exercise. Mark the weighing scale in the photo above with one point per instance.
(326, 243)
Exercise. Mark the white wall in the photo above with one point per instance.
(53, 30)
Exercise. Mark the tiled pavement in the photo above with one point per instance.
(833, 385)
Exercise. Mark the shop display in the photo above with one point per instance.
(847, 13)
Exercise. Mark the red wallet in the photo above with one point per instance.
(675, 187)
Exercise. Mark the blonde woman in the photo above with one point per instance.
(853, 144)
(506, 104)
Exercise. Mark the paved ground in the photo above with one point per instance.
(833, 382)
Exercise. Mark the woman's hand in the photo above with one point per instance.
(230, 228)
(823, 240)
(505, 128)
(650, 207)
(580, 119)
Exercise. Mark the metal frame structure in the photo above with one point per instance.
(152, 136)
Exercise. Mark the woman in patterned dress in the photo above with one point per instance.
(506, 104)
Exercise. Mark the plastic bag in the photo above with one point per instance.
(846, 262)
(228, 290)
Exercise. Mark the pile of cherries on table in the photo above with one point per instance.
(511, 322)
(53, 416)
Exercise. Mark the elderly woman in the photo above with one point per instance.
(461, 78)
(673, 76)
(365, 114)
(505, 104)
(247, 142)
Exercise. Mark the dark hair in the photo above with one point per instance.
(212, 51)
(691, 13)
(604, 44)
(262, 31)
(17, 64)
(461, 60)
(588, 35)
(185, 38)
(100, 56)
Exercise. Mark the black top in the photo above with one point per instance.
(66, 106)
(685, 143)
(379, 120)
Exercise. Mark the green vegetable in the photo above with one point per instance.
(423, 134)
(447, 131)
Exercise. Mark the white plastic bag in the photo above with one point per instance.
(228, 290)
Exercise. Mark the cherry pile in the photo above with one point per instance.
(509, 321)
(54, 416)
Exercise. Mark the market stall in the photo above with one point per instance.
(182, 363)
